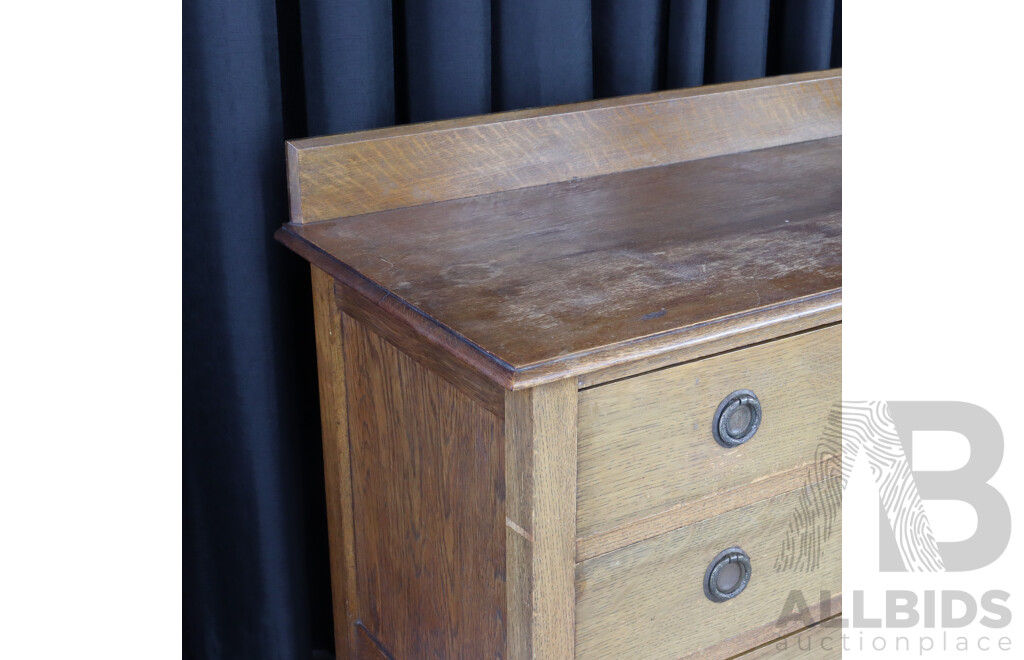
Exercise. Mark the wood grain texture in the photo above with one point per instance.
(755, 637)
(822, 641)
(524, 325)
(434, 335)
(645, 443)
(560, 280)
(668, 350)
(367, 646)
(647, 600)
(450, 365)
(689, 512)
(540, 469)
(356, 173)
(337, 470)
(428, 484)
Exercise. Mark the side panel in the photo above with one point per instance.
(337, 475)
(428, 493)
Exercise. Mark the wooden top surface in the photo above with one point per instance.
(589, 271)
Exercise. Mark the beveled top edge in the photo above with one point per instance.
(677, 346)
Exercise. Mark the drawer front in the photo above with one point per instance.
(647, 452)
(648, 600)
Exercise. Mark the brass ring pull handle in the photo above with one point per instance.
(727, 575)
(737, 419)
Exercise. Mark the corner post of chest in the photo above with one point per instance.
(540, 504)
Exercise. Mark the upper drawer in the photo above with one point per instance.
(648, 461)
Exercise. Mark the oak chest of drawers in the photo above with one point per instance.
(579, 374)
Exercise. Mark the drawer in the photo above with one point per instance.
(647, 458)
(647, 600)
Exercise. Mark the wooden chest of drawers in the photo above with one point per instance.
(579, 372)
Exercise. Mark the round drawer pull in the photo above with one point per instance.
(737, 418)
(727, 575)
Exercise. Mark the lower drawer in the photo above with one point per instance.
(648, 600)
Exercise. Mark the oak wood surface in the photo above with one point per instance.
(355, 173)
(540, 474)
(451, 364)
(755, 637)
(822, 641)
(647, 600)
(379, 302)
(646, 451)
(559, 280)
(337, 471)
(367, 646)
(691, 511)
(428, 491)
(669, 350)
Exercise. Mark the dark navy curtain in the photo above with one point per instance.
(258, 72)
